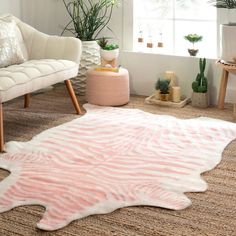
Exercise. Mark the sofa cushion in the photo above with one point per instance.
(10, 50)
(33, 70)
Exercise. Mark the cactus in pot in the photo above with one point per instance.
(163, 86)
(200, 87)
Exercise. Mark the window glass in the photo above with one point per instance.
(167, 22)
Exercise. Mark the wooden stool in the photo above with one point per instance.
(226, 69)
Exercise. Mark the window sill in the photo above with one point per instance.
(154, 52)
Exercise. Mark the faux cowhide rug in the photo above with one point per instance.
(112, 158)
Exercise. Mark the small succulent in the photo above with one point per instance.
(162, 85)
(111, 47)
(193, 38)
(103, 43)
(200, 85)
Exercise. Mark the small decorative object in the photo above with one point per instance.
(149, 43)
(152, 100)
(200, 96)
(157, 94)
(176, 94)
(227, 31)
(160, 43)
(87, 20)
(108, 52)
(169, 75)
(193, 38)
(163, 86)
(140, 38)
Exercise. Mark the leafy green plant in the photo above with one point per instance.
(229, 4)
(193, 38)
(162, 85)
(103, 43)
(88, 17)
(200, 85)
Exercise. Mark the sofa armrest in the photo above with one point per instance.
(43, 46)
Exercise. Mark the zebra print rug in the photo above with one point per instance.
(111, 158)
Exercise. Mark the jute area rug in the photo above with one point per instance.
(211, 213)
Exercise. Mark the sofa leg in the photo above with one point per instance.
(27, 100)
(73, 96)
(1, 129)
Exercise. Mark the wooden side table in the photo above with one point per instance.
(226, 69)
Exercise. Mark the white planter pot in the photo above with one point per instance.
(90, 57)
(232, 16)
(227, 44)
(109, 55)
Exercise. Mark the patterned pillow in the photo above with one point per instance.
(10, 52)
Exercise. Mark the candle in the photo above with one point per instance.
(169, 75)
(176, 94)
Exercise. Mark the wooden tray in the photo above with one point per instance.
(153, 100)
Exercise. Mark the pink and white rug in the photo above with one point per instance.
(112, 158)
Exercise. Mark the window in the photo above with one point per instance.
(169, 21)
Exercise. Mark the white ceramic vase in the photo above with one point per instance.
(109, 55)
(232, 16)
(227, 44)
(90, 57)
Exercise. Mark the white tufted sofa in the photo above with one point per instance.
(49, 60)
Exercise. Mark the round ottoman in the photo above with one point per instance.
(107, 88)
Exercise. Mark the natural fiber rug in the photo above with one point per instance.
(112, 158)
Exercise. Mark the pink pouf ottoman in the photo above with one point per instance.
(107, 88)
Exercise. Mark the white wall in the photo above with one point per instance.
(48, 16)
(10, 6)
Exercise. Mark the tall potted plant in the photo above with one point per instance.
(87, 20)
(227, 31)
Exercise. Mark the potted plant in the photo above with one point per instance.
(108, 52)
(87, 20)
(162, 85)
(230, 5)
(200, 96)
(193, 38)
(227, 31)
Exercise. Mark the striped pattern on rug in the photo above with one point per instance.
(112, 158)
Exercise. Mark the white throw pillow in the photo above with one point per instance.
(10, 52)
